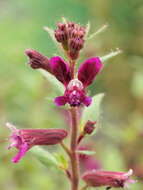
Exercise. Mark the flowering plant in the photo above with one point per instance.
(71, 38)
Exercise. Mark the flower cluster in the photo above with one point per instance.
(71, 36)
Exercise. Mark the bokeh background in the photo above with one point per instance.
(24, 92)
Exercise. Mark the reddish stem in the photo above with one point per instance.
(74, 155)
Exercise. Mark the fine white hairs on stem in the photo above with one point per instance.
(110, 55)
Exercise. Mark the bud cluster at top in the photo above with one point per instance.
(71, 36)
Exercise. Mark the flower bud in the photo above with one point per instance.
(75, 45)
(60, 36)
(37, 60)
(89, 127)
(97, 178)
(62, 26)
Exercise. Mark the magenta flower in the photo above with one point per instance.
(24, 139)
(97, 178)
(75, 93)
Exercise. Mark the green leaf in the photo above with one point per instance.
(92, 112)
(45, 157)
(63, 163)
(52, 79)
(86, 152)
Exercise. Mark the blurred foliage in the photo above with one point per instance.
(24, 92)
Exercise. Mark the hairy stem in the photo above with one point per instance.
(73, 146)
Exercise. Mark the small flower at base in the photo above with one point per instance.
(24, 139)
(89, 127)
(37, 60)
(97, 178)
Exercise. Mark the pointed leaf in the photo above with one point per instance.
(93, 111)
(44, 157)
(63, 163)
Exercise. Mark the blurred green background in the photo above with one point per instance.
(23, 91)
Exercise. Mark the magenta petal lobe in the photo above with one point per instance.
(88, 70)
(60, 100)
(87, 101)
(22, 151)
(60, 69)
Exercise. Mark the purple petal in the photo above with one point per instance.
(87, 101)
(89, 69)
(60, 100)
(22, 151)
(60, 69)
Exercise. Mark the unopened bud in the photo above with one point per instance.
(37, 60)
(60, 36)
(61, 26)
(89, 127)
(76, 44)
